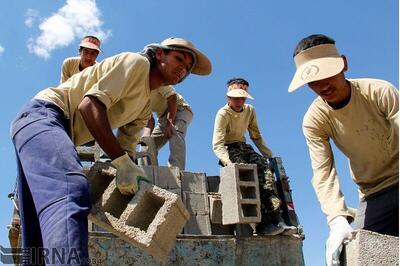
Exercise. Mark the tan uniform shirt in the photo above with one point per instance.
(231, 126)
(366, 131)
(121, 83)
(159, 102)
(70, 67)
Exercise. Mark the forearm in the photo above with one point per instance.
(149, 127)
(94, 114)
(172, 108)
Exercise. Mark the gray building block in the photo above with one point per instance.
(215, 208)
(240, 194)
(197, 205)
(370, 249)
(194, 182)
(167, 177)
(150, 220)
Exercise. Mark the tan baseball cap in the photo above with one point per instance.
(91, 43)
(239, 93)
(316, 63)
(202, 64)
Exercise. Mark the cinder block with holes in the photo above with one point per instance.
(150, 220)
(240, 194)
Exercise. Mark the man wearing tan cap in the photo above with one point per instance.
(173, 117)
(113, 94)
(361, 117)
(229, 145)
(89, 49)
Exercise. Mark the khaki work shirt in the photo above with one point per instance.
(366, 131)
(121, 83)
(231, 126)
(70, 67)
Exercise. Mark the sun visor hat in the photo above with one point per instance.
(316, 63)
(239, 93)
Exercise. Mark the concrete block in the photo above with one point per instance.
(89, 153)
(197, 205)
(194, 182)
(215, 208)
(213, 183)
(150, 220)
(240, 194)
(167, 177)
(369, 248)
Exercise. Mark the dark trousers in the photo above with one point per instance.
(382, 213)
(53, 191)
(240, 152)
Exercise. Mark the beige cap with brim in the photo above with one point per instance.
(316, 63)
(239, 93)
(202, 63)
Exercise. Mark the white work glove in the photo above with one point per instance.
(340, 231)
(128, 175)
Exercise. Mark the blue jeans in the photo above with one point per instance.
(53, 191)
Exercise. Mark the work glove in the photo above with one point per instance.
(128, 175)
(340, 231)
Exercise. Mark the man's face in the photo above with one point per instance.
(333, 90)
(175, 65)
(88, 57)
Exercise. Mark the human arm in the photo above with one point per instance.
(149, 127)
(388, 103)
(64, 72)
(171, 115)
(219, 139)
(256, 137)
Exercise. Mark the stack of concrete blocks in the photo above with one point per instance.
(369, 249)
(240, 194)
(195, 197)
(150, 220)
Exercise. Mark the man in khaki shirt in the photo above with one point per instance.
(361, 117)
(89, 49)
(53, 191)
(173, 117)
(229, 145)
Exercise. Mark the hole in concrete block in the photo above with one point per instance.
(246, 174)
(145, 212)
(116, 204)
(249, 210)
(98, 184)
(248, 192)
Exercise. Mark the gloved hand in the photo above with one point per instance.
(227, 162)
(128, 175)
(340, 231)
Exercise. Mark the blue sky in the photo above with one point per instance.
(251, 39)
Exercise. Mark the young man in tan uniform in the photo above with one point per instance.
(229, 145)
(89, 49)
(173, 117)
(53, 190)
(361, 117)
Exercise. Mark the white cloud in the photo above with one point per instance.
(1, 50)
(31, 15)
(75, 19)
